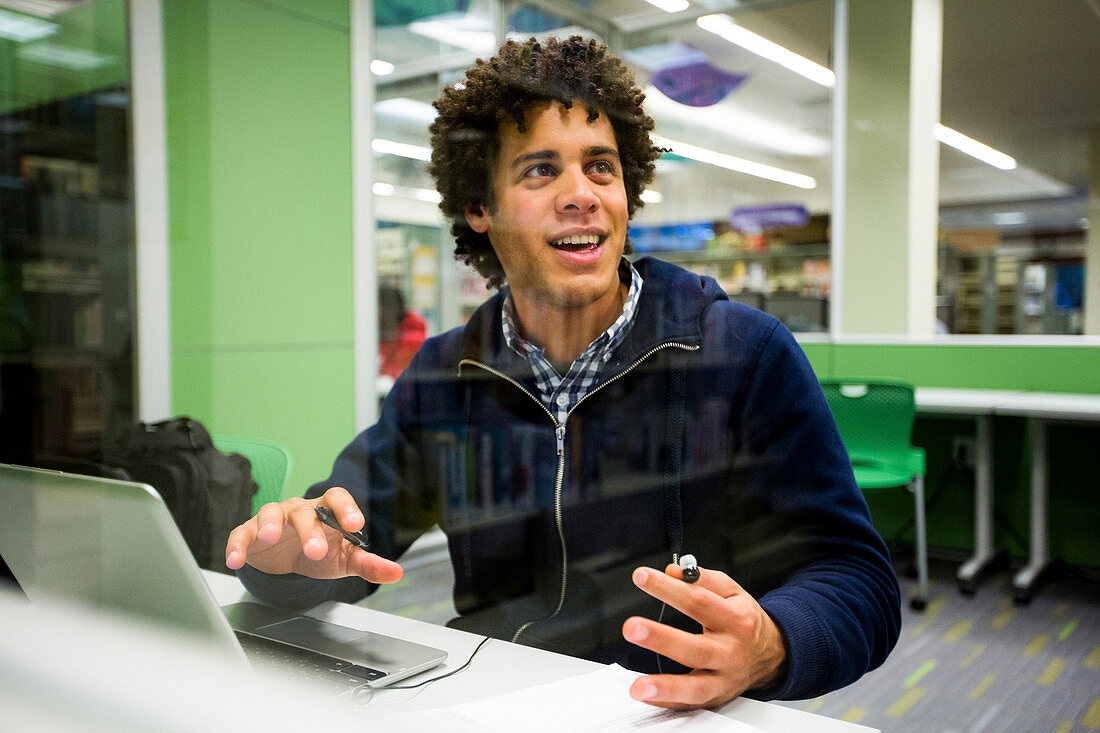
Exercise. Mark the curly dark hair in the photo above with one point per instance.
(465, 135)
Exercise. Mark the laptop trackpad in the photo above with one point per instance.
(320, 636)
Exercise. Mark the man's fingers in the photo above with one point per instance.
(236, 547)
(696, 600)
(269, 523)
(678, 691)
(691, 650)
(310, 531)
(374, 568)
(344, 507)
(713, 580)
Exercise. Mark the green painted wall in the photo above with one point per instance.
(1074, 511)
(93, 32)
(260, 230)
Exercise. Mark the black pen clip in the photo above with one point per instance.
(328, 518)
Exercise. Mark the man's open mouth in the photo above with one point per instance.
(579, 242)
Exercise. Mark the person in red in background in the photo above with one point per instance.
(400, 332)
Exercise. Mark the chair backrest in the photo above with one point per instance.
(270, 461)
(875, 418)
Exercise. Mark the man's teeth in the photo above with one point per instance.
(578, 239)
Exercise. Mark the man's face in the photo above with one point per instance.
(560, 220)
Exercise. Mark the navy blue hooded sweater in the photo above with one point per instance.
(708, 435)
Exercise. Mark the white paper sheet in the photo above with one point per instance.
(597, 701)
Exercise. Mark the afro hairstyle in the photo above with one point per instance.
(465, 134)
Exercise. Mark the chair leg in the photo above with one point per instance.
(920, 600)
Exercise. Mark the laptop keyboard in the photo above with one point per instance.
(336, 674)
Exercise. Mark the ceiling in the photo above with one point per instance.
(1018, 75)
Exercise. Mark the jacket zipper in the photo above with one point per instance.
(559, 434)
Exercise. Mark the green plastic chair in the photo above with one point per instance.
(875, 418)
(270, 461)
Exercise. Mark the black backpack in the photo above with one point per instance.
(208, 492)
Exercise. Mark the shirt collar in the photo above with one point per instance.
(605, 342)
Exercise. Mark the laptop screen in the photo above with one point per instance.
(106, 543)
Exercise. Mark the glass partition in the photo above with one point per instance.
(1019, 84)
(66, 230)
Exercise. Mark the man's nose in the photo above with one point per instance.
(577, 193)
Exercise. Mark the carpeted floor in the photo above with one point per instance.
(981, 663)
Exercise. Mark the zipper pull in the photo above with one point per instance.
(560, 432)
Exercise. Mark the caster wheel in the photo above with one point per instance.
(918, 604)
(966, 587)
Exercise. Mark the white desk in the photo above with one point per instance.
(980, 404)
(1038, 408)
(502, 667)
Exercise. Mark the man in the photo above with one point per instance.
(595, 420)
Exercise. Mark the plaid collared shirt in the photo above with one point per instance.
(561, 393)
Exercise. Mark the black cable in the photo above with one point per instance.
(448, 674)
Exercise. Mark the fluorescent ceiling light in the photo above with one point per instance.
(652, 197)
(378, 67)
(471, 32)
(735, 123)
(669, 6)
(733, 163)
(415, 152)
(21, 29)
(1009, 218)
(724, 26)
(66, 57)
(973, 148)
(408, 110)
(421, 194)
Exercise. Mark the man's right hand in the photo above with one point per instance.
(287, 537)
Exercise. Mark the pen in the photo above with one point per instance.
(326, 516)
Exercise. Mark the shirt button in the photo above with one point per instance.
(562, 400)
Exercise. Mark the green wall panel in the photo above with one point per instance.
(1046, 368)
(280, 132)
(259, 164)
(277, 395)
(332, 12)
(1074, 512)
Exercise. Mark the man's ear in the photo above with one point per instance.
(477, 217)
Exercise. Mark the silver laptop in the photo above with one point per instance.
(113, 544)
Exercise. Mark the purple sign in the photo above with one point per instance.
(696, 84)
(759, 218)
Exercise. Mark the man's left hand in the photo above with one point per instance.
(740, 648)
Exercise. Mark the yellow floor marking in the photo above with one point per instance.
(1067, 630)
(906, 701)
(1092, 661)
(984, 685)
(958, 631)
(934, 608)
(1052, 672)
(1092, 717)
(854, 715)
(1036, 645)
(814, 704)
(1064, 727)
(919, 674)
(974, 654)
(1001, 619)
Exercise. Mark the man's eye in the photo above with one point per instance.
(539, 171)
(602, 167)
